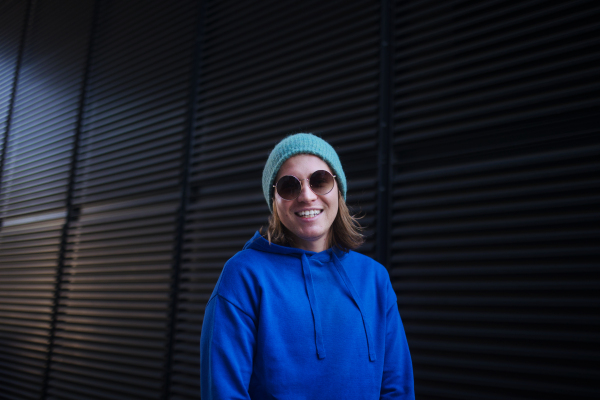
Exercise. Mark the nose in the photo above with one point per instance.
(306, 194)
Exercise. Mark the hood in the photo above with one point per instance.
(261, 244)
(333, 256)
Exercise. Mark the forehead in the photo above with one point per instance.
(302, 166)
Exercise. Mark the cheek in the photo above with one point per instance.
(281, 209)
(333, 209)
(282, 212)
(334, 213)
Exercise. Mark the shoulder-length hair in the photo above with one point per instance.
(344, 233)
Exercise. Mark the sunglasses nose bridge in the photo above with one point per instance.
(304, 187)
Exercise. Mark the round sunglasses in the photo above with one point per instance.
(289, 187)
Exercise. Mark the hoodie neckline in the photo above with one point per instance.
(258, 242)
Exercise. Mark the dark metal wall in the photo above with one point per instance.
(495, 196)
(133, 136)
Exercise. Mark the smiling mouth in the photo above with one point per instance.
(309, 213)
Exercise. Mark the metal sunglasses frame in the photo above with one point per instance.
(305, 179)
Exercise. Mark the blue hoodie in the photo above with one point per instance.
(286, 323)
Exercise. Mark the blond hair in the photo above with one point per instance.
(344, 233)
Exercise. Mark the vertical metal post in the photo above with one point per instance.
(385, 132)
(188, 144)
(72, 212)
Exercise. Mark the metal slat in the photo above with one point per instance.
(95, 388)
(28, 255)
(114, 312)
(494, 197)
(130, 121)
(28, 248)
(55, 110)
(350, 30)
(308, 92)
(114, 305)
(12, 16)
(529, 35)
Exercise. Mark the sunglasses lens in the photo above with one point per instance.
(288, 187)
(321, 182)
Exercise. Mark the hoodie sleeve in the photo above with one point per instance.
(397, 381)
(226, 351)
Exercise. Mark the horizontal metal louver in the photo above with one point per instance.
(111, 332)
(113, 320)
(34, 189)
(495, 213)
(12, 18)
(136, 110)
(40, 141)
(268, 70)
(28, 262)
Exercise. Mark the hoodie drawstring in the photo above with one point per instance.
(310, 290)
(308, 282)
(358, 302)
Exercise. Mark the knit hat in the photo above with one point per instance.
(300, 143)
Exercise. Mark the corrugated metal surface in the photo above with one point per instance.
(495, 214)
(34, 188)
(28, 258)
(38, 154)
(12, 20)
(111, 334)
(113, 319)
(136, 109)
(115, 229)
(270, 69)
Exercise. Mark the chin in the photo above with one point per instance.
(311, 235)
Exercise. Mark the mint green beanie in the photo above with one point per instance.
(300, 143)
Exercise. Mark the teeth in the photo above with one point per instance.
(309, 213)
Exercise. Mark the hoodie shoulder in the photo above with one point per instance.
(366, 262)
(242, 263)
(239, 282)
(369, 270)
(255, 261)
